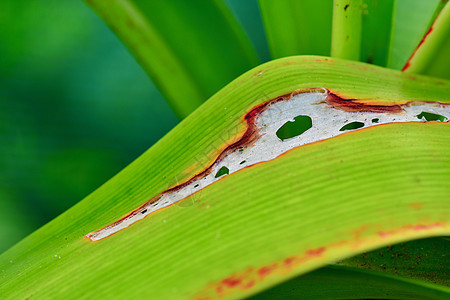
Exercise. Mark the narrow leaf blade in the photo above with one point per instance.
(420, 260)
(410, 21)
(376, 29)
(431, 55)
(347, 27)
(297, 27)
(182, 45)
(335, 282)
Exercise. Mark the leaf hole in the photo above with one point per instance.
(196, 186)
(242, 162)
(352, 126)
(222, 171)
(294, 128)
(144, 211)
(431, 117)
(376, 120)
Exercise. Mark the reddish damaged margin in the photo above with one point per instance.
(252, 277)
(422, 41)
(251, 134)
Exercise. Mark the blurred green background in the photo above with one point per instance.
(75, 107)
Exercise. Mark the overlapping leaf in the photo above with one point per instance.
(190, 49)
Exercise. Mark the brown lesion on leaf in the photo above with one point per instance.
(416, 206)
(422, 41)
(253, 276)
(252, 134)
(409, 228)
(353, 106)
(370, 105)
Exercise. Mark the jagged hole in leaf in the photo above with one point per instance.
(222, 171)
(294, 128)
(351, 126)
(431, 117)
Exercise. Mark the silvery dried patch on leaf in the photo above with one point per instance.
(324, 116)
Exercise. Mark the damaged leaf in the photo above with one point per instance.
(277, 214)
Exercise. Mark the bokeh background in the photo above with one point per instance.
(75, 107)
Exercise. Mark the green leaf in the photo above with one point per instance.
(420, 260)
(410, 21)
(267, 223)
(248, 14)
(297, 27)
(350, 283)
(190, 49)
(376, 30)
(347, 27)
(431, 56)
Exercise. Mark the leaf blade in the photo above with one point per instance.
(181, 44)
(346, 31)
(376, 29)
(420, 260)
(430, 56)
(409, 23)
(297, 27)
(352, 283)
